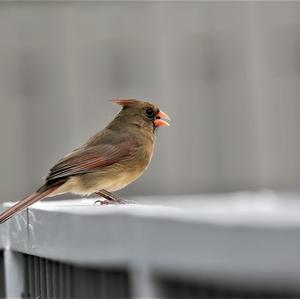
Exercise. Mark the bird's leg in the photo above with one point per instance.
(110, 198)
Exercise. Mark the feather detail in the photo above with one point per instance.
(91, 159)
(26, 202)
(125, 102)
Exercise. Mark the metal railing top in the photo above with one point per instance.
(236, 237)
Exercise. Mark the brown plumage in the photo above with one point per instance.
(108, 161)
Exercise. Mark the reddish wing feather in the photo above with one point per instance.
(91, 159)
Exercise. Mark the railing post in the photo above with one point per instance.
(142, 282)
(14, 274)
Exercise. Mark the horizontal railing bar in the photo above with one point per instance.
(218, 239)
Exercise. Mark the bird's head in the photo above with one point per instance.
(142, 113)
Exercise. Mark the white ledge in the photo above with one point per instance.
(238, 237)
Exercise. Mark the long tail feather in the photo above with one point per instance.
(26, 202)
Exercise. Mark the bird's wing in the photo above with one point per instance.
(91, 159)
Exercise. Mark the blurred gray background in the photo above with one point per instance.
(227, 73)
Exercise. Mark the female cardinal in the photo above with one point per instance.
(108, 161)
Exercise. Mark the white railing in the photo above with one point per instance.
(238, 240)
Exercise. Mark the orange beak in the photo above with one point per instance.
(159, 122)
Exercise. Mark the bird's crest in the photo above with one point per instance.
(125, 102)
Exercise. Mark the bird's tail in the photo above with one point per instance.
(26, 202)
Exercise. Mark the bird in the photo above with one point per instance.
(108, 161)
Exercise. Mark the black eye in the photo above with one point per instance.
(150, 112)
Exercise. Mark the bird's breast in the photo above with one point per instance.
(113, 177)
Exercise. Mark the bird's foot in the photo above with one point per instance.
(101, 202)
(111, 198)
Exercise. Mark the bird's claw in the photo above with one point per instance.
(101, 202)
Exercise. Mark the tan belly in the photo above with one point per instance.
(111, 180)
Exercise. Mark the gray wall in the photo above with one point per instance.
(227, 73)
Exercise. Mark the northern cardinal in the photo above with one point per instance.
(108, 161)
